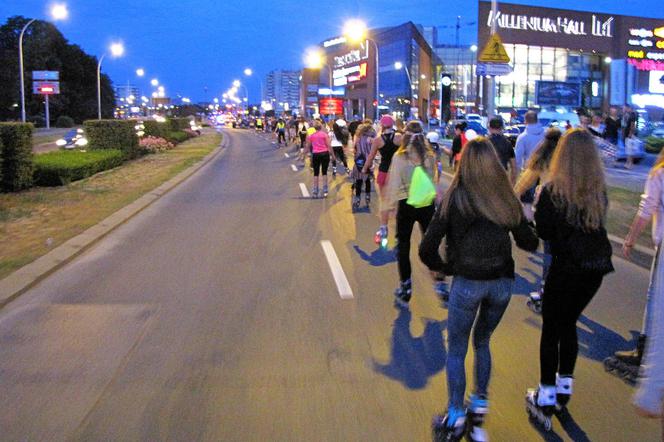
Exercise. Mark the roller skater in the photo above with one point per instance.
(626, 363)
(325, 192)
(314, 193)
(355, 201)
(450, 427)
(364, 136)
(478, 408)
(319, 145)
(540, 405)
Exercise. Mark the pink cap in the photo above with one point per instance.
(386, 121)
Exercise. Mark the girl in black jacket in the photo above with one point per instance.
(570, 214)
(477, 214)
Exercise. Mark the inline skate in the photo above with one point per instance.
(478, 408)
(564, 391)
(314, 193)
(541, 404)
(535, 302)
(626, 363)
(381, 236)
(403, 293)
(325, 192)
(449, 428)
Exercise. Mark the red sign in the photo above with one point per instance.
(45, 87)
(331, 106)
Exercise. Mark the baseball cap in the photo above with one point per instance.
(340, 123)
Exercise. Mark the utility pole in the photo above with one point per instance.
(491, 93)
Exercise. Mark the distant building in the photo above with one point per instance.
(282, 90)
(126, 93)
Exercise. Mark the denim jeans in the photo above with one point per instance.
(485, 301)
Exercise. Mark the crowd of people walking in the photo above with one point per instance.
(549, 187)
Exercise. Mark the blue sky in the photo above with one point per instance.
(190, 45)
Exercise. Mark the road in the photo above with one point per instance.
(213, 315)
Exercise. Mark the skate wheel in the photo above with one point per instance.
(547, 424)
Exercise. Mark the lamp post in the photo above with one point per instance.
(116, 51)
(356, 30)
(314, 59)
(398, 66)
(237, 84)
(58, 12)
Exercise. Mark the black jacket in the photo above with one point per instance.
(476, 248)
(573, 249)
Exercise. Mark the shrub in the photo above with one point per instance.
(180, 124)
(155, 144)
(156, 129)
(191, 133)
(37, 120)
(654, 144)
(64, 121)
(112, 134)
(16, 155)
(177, 137)
(62, 167)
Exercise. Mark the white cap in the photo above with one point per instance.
(433, 137)
(340, 123)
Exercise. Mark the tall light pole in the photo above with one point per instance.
(356, 30)
(58, 12)
(491, 94)
(116, 51)
(398, 66)
(314, 59)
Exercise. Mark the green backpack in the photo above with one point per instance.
(421, 192)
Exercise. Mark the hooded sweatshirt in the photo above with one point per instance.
(527, 142)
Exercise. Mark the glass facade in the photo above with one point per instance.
(534, 63)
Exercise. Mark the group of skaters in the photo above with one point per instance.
(550, 187)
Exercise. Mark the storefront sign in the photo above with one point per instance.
(334, 42)
(557, 93)
(557, 25)
(640, 58)
(353, 56)
(494, 51)
(643, 100)
(656, 85)
(331, 106)
(493, 69)
(351, 74)
(46, 87)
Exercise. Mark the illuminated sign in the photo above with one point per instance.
(660, 44)
(331, 106)
(636, 54)
(555, 25)
(349, 74)
(642, 33)
(645, 43)
(659, 32)
(643, 100)
(353, 56)
(647, 65)
(45, 87)
(656, 82)
(334, 42)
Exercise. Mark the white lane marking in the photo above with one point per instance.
(337, 271)
(286, 155)
(305, 191)
(294, 167)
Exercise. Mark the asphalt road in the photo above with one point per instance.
(213, 315)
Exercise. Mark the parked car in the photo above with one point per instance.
(558, 119)
(475, 117)
(72, 139)
(658, 130)
(474, 125)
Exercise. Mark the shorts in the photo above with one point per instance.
(320, 161)
(381, 180)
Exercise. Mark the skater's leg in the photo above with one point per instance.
(550, 338)
(405, 222)
(580, 292)
(465, 298)
(424, 216)
(325, 163)
(358, 188)
(491, 312)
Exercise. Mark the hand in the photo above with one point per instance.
(627, 249)
(364, 170)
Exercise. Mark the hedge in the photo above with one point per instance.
(112, 134)
(180, 124)
(64, 121)
(177, 137)
(157, 129)
(16, 155)
(62, 167)
(654, 144)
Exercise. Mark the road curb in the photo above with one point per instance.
(641, 256)
(31, 274)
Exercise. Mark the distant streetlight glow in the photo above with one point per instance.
(398, 65)
(160, 88)
(313, 59)
(248, 72)
(59, 11)
(608, 60)
(473, 48)
(117, 49)
(154, 82)
(236, 83)
(140, 72)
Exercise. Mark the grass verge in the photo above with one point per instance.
(35, 221)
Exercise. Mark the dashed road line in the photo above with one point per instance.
(294, 167)
(286, 155)
(304, 190)
(345, 292)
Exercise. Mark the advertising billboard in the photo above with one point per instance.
(558, 93)
(331, 106)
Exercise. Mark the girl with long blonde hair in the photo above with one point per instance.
(476, 215)
(414, 151)
(570, 213)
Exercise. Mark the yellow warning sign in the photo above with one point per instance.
(494, 51)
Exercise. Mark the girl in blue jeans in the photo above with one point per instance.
(477, 215)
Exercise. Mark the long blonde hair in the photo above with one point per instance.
(481, 188)
(414, 143)
(577, 180)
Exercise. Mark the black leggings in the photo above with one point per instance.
(281, 135)
(406, 217)
(320, 161)
(339, 153)
(358, 186)
(564, 299)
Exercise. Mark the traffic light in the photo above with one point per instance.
(445, 96)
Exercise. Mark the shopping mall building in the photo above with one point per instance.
(573, 58)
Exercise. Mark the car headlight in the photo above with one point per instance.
(82, 142)
(61, 142)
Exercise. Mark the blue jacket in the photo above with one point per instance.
(526, 143)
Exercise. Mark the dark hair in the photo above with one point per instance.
(340, 133)
(496, 123)
(461, 126)
(530, 117)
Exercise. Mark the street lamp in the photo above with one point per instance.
(473, 48)
(356, 30)
(117, 49)
(248, 72)
(58, 12)
(154, 82)
(140, 72)
(314, 59)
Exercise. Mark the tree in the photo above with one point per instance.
(45, 48)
